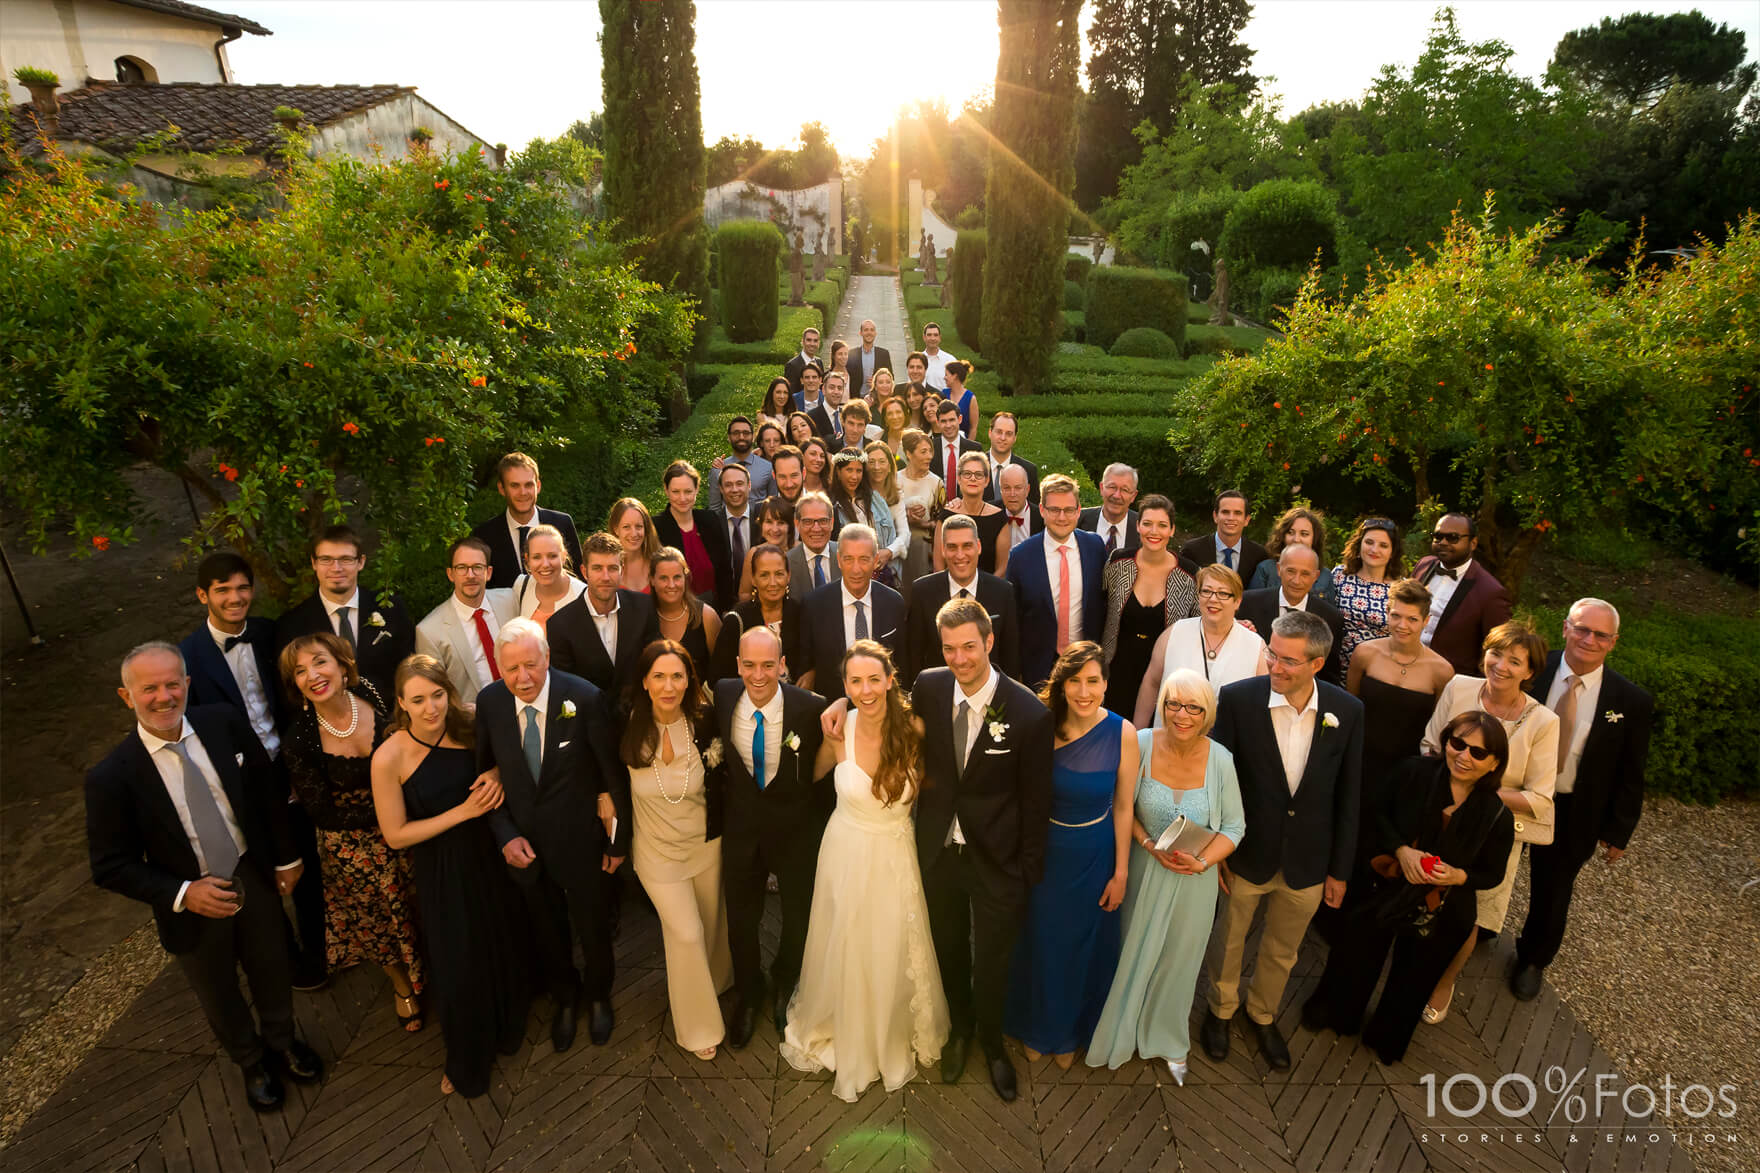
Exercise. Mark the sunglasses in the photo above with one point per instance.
(1479, 753)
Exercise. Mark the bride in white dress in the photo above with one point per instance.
(869, 1004)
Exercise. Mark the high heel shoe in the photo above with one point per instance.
(1177, 1069)
(1434, 1016)
(1064, 1061)
(1032, 1055)
(706, 1054)
(409, 1011)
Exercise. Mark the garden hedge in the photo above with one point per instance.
(748, 252)
(1119, 298)
(1276, 228)
(1224, 339)
(1144, 342)
(1075, 295)
(1194, 215)
(966, 276)
(1076, 268)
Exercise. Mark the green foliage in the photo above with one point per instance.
(1637, 57)
(1120, 298)
(775, 350)
(1076, 268)
(654, 168)
(965, 280)
(810, 164)
(589, 133)
(1027, 190)
(1207, 339)
(1187, 218)
(749, 252)
(294, 113)
(1075, 296)
(1075, 326)
(923, 297)
(1277, 229)
(367, 352)
(1144, 342)
(30, 75)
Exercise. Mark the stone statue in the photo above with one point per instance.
(831, 243)
(819, 257)
(1099, 248)
(797, 286)
(1219, 296)
(947, 286)
(930, 273)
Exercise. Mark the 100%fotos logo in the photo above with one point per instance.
(1515, 1095)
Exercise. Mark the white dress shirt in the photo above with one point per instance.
(480, 662)
(355, 617)
(1106, 528)
(1441, 591)
(1587, 699)
(1019, 533)
(242, 660)
(977, 702)
(1054, 566)
(954, 587)
(170, 768)
(996, 467)
(607, 624)
(513, 528)
(1283, 603)
(936, 375)
(824, 559)
(1295, 732)
(744, 725)
(542, 704)
(849, 611)
(526, 591)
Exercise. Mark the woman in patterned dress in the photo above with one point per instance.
(1372, 563)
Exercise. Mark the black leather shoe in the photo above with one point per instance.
(562, 1025)
(953, 1058)
(1525, 981)
(262, 1088)
(779, 1012)
(1213, 1033)
(1002, 1078)
(300, 1063)
(740, 1024)
(599, 1023)
(1271, 1045)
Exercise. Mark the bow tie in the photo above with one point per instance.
(1017, 519)
(232, 641)
(1445, 572)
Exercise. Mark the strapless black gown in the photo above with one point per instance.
(473, 923)
(1393, 727)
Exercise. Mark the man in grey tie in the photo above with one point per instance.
(854, 608)
(189, 816)
(812, 562)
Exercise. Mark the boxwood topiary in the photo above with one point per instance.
(1144, 342)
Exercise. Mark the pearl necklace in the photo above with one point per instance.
(654, 765)
(354, 720)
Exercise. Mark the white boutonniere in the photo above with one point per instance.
(712, 755)
(376, 620)
(793, 742)
(994, 724)
(1329, 720)
(568, 709)
(1613, 716)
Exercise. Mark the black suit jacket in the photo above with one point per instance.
(1003, 797)
(504, 560)
(557, 811)
(210, 677)
(822, 632)
(1608, 794)
(791, 370)
(712, 528)
(938, 465)
(882, 362)
(724, 664)
(137, 844)
(791, 800)
(575, 646)
(1202, 552)
(1261, 608)
(994, 496)
(378, 650)
(923, 638)
(1311, 834)
(1091, 522)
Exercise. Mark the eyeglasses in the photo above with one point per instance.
(1590, 634)
(1208, 592)
(327, 561)
(814, 521)
(1059, 510)
(1478, 752)
(468, 568)
(1187, 709)
(1287, 661)
(973, 474)
(1442, 536)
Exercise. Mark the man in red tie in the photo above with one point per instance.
(1023, 516)
(950, 445)
(461, 632)
(1056, 575)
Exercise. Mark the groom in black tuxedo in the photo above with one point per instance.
(774, 817)
(565, 824)
(981, 826)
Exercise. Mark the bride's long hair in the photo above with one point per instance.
(901, 750)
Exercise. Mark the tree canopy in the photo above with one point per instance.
(1635, 58)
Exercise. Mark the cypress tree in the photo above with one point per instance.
(654, 158)
(1032, 168)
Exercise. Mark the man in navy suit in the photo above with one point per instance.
(564, 826)
(186, 816)
(1057, 579)
(231, 661)
(1604, 743)
(373, 623)
(1298, 747)
(516, 479)
(854, 607)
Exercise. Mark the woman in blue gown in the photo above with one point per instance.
(1069, 938)
(1170, 900)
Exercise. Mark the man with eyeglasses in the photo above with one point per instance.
(740, 438)
(1298, 747)
(812, 561)
(1466, 602)
(374, 624)
(1056, 576)
(1603, 746)
(461, 632)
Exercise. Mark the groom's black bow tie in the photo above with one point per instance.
(1445, 572)
(243, 637)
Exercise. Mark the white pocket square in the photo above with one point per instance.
(889, 634)
(563, 744)
(239, 758)
(996, 751)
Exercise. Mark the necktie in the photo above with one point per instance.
(1017, 519)
(1567, 716)
(964, 593)
(861, 621)
(344, 628)
(738, 545)
(758, 770)
(961, 731)
(523, 531)
(218, 848)
(243, 637)
(1228, 557)
(1062, 598)
(952, 466)
(1445, 572)
(532, 743)
(1111, 539)
(818, 570)
(488, 644)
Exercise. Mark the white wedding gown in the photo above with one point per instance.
(869, 1004)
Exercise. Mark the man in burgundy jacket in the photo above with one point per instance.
(1466, 602)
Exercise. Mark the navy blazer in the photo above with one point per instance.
(504, 563)
(1311, 834)
(211, 681)
(1608, 794)
(137, 844)
(822, 632)
(1038, 605)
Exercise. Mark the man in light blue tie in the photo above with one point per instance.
(773, 820)
(1229, 545)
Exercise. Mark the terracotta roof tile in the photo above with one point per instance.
(195, 12)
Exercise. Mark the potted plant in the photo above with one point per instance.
(42, 83)
(289, 116)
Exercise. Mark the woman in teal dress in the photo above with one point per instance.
(1067, 949)
(1170, 898)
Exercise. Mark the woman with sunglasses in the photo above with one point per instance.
(1372, 561)
(1514, 653)
(1441, 836)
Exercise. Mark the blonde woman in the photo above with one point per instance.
(634, 530)
(920, 494)
(547, 586)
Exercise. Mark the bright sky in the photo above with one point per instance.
(513, 70)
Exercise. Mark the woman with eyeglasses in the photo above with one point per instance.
(1296, 526)
(1211, 643)
(1372, 562)
(1170, 895)
(1441, 836)
(974, 479)
(1514, 653)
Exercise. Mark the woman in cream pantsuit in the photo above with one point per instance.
(675, 791)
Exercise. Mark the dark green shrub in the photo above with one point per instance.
(1144, 342)
(747, 251)
(965, 275)
(1224, 339)
(1075, 296)
(1194, 215)
(1119, 298)
(1075, 326)
(1281, 224)
(1076, 268)
(1273, 290)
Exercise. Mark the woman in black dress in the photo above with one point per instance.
(771, 608)
(683, 616)
(430, 802)
(1147, 592)
(968, 498)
